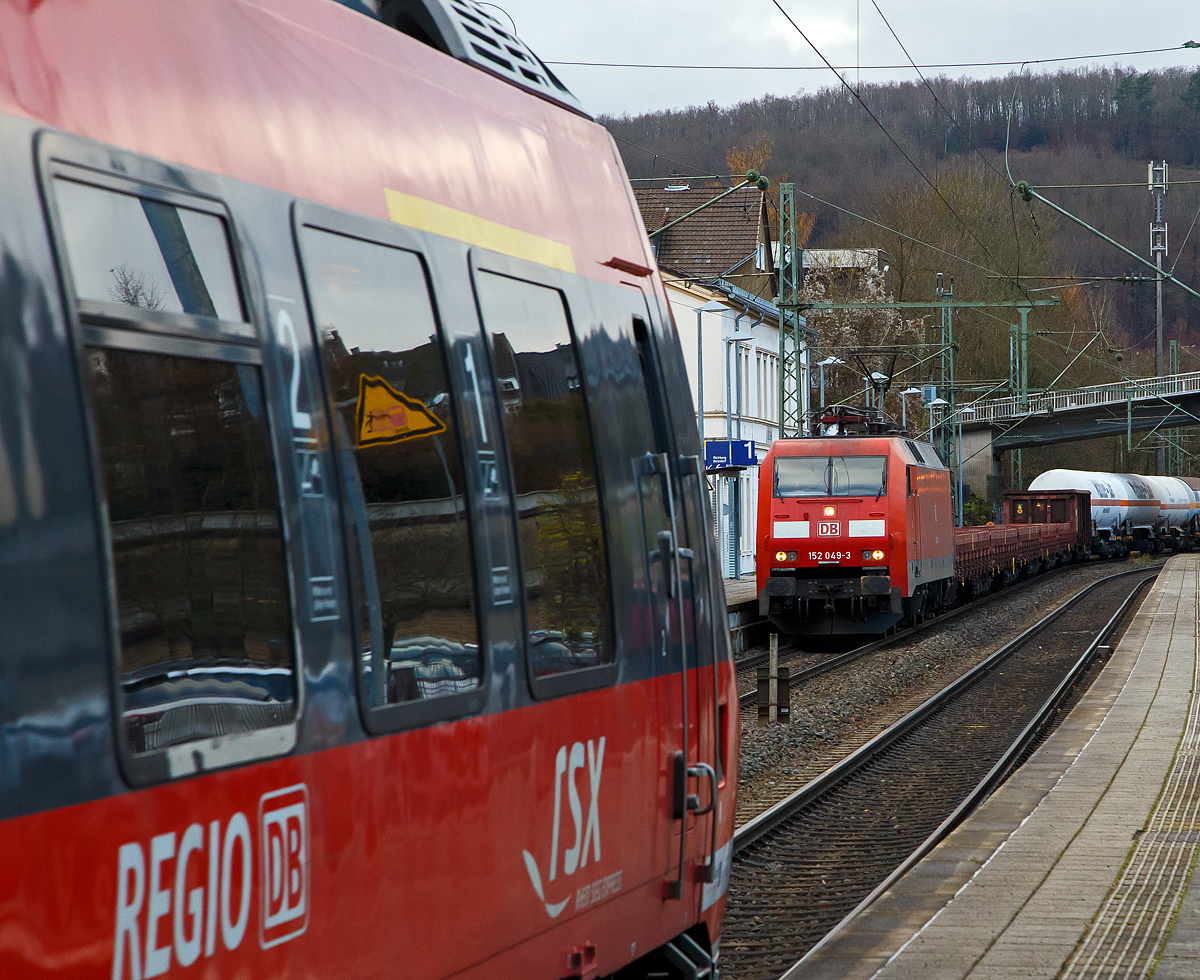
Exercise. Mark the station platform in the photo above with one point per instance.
(739, 591)
(1081, 864)
(746, 626)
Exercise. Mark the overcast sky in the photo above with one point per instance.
(848, 33)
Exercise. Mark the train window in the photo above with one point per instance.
(924, 453)
(197, 547)
(204, 664)
(830, 476)
(134, 251)
(385, 365)
(545, 420)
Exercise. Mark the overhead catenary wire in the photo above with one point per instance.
(642, 180)
(1136, 183)
(656, 155)
(884, 130)
(1179, 251)
(917, 241)
(936, 100)
(946, 64)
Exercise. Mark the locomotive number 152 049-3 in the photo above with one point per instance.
(828, 555)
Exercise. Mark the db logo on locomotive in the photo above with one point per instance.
(179, 893)
(829, 529)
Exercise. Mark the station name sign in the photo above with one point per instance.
(726, 454)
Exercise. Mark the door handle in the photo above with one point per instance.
(666, 555)
(695, 772)
(708, 873)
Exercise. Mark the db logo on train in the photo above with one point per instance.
(178, 892)
(828, 529)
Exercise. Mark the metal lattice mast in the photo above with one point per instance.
(1158, 251)
(1174, 436)
(793, 349)
(950, 420)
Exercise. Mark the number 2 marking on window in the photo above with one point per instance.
(469, 362)
(286, 332)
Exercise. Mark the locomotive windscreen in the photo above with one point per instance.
(830, 476)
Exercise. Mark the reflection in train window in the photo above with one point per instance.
(386, 371)
(135, 251)
(193, 512)
(554, 472)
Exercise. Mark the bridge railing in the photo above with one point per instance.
(1000, 409)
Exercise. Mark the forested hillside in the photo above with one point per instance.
(1088, 127)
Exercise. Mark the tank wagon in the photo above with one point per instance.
(1147, 513)
(856, 534)
(359, 609)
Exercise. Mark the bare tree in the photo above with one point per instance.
(133, 289)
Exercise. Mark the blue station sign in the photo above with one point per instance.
(725, 454)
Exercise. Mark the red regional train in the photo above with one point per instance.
(856, 534)
(359, 611)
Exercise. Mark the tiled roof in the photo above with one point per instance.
(710, 243)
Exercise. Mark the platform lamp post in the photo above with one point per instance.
(734, 493)
(821, 365)
(710, 307)
(904, 405)
(876, 382)
(938, 404)
(969, 413)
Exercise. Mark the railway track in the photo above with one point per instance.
(812, 665)
(828, 850)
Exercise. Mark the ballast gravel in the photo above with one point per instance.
(834, 714)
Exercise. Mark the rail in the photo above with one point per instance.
(856, 830)
(754, 660)
(770, 819)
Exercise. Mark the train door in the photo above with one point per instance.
(670, 492)
(913, 530)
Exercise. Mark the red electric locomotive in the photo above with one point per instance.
(359, 610)
(854, 533)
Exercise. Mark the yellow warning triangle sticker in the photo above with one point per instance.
(386, 415)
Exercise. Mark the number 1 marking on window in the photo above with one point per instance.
(469, 361)
(286, 332)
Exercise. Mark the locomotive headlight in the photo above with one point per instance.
(781, 556)
(829, 510)
(866, 555)
(877, 555)
(791, 556)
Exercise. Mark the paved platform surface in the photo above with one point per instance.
(739, 590)
(1081, 864)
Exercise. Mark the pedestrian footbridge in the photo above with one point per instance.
(996, 425)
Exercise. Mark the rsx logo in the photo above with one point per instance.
(587, 835)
